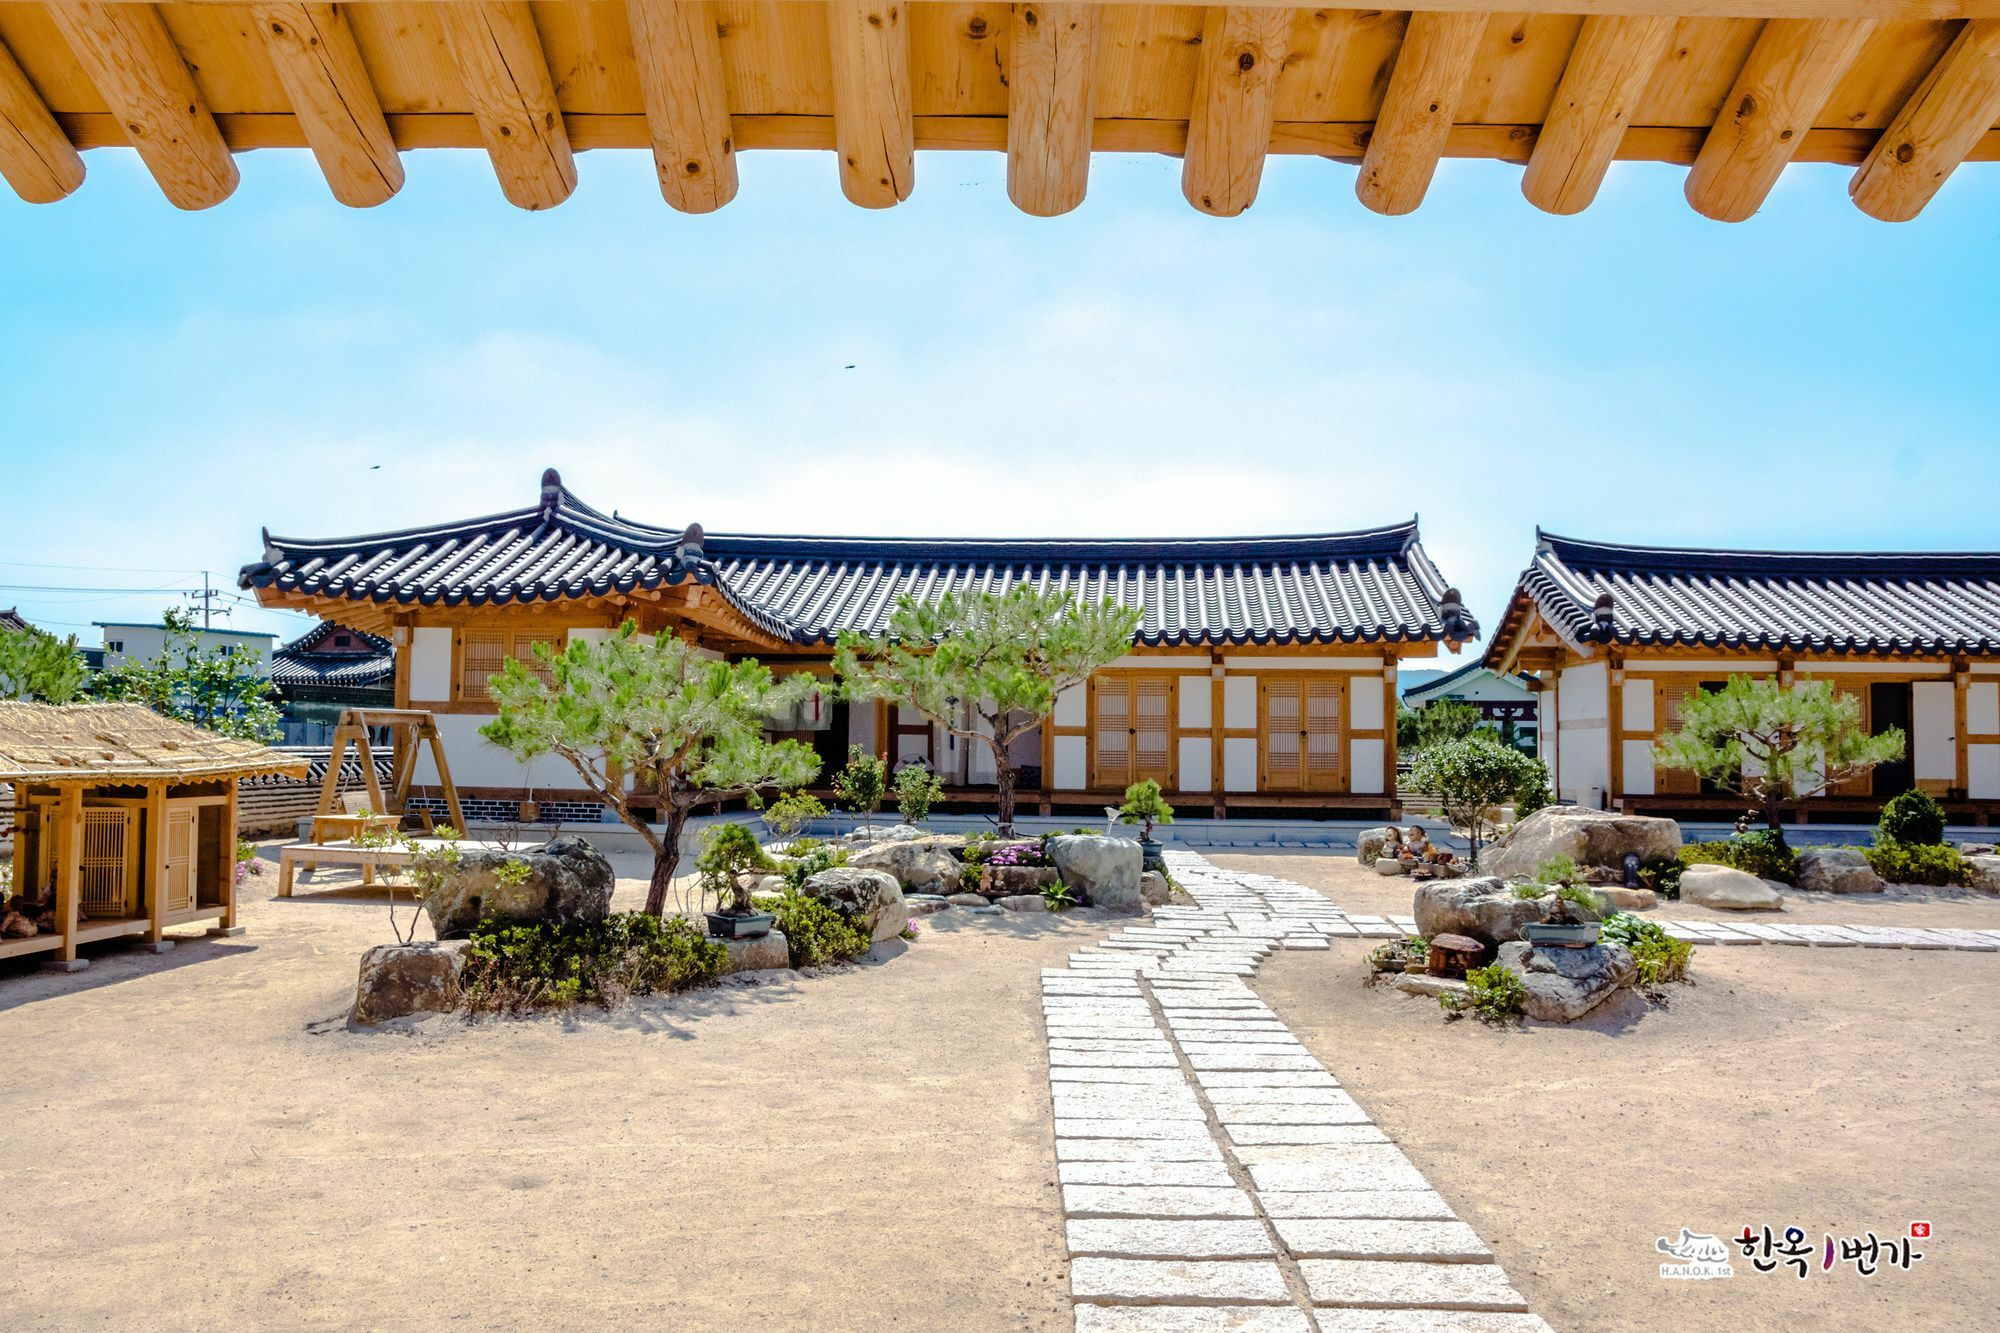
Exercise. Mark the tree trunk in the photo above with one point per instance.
(1004, 776)
(666, 860)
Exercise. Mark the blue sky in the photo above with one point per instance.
(171, 382)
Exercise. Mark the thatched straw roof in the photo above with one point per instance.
(112, 743)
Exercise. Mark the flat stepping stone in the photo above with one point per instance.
(1425, 1321)
(1114, 1059)
(1136, 1150)
(1152, 1238)
(1268, 1135)
(1155, 1201)
(1094, 1128)
(1075, 1074)
(1153, 1280)
(1260, 1096)
(1291, 1113)
(1190, 1319)
(1317, 1177)
(1244, 1061)
(1387, 1285)
(1355, 1238)
(1213, 1173)
(1158, 1103)
(1395, 1205)
(1267, 1078)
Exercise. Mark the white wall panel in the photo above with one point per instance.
(430, 666)
(1072, 706)
(1934, 727)
(1364, 703)
(1239, 763)
(1071, 768)
(1239, 701)
(1364, 766)
(1638, 709)
(1197, 706)
(477, 762)
(1982, 708)
(1983, 772)
(1195, 763)
(1639, 768)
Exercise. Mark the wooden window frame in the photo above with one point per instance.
(511, 650)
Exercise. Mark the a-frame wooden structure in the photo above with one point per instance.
(410, 727)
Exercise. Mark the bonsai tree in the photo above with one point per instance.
(225, 692)
(689, 730)
(1145, 806)
(730, 854)
(917, 790)
(1770, 744)
(1470, 776)
(38, 667)
(987, 666)
(861, 784)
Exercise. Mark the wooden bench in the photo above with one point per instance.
(369, 859)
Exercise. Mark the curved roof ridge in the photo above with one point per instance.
(1588, 554)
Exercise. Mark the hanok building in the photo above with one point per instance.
(1619, 637)
(1505, 703)
(1263, 676)
(327, 670)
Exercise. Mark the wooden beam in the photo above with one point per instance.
(1906, 11)
(35, 156)
(499, 56)
(1414, 123)
(129, 56)
(872, 124)
(319, 65)
(1608, 71)
(1049, 68)
(1235, 99)
(679, 52)
(1954, 105)
(1765, 119)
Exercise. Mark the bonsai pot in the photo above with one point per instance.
(1151, 857)
(1563, 936)
(729, 926)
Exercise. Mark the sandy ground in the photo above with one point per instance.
(1836, 1090)
(199, 1141)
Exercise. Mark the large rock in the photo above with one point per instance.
(1837, 870)
(758, 954)
(398, 980)
(1011, 881)
(1621, 899)
(568, 880)
(1729, 889)
(1389, 865)
(1587, 837)
(1023, 902)
(1369, 844)
(871, 895)
(1565, 984)
(1985, 872)
(1103, 871)
(920, 867)
(1484, 909)
(1154, 890)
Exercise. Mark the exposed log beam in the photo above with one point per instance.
(499, 56)
(1954, 105)
(1235, 101)
(37, 159)
(130, 57)
(1884, 10)
(1764, 121)
(872, 124)
(1049, 70)
(1418, 109)
(687, 106)
(320, 67)
(1613, 61)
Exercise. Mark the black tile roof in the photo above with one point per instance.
(10, 620)
(1821, 602)
(307, 660)
(1371, 586)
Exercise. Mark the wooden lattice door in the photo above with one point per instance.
(105, 864)
(1669, 711)
(178, 890)
(1132, 732)
(1302, 731)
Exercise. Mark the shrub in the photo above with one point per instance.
(861, 784)
(1533, 794)
(1558, 871)
(1918, 863)
(817, 933)
(729, 852)
(1659, 955)
(1663, 876)
(808, 862)
(1913, 819)
(560, 964)
(978, 846)
(791, 812)
(1470, 776)
(1494, 993)
(1760, 852)
(1145, 806)
(917, 790)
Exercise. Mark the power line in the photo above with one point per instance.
(100, 569)
(85, 587)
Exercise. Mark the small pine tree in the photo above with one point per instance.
(861, 785)
(1145, 806)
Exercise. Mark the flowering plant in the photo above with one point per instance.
(1018, 854)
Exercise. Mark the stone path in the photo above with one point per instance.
(1214, 1175)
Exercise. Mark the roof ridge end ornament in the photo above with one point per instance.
(689, 552)
(1602, 614)
(552, 489)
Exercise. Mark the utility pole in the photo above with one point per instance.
(208, 596)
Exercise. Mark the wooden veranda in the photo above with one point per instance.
(1902, 90)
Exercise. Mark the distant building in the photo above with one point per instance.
(326, 670)
(1507, 702)
(11, 622)
(146, 642)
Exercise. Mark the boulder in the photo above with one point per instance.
(1417, 983)
(1628, 900)
(1565, 984)
(874, 896)
(923, 904)
(1837, 870)
(1009, 881)
(1389, 865)
(917, 866)
(1368, 845)
(1729, 889)
(568, 880)
(903, 833)
(1154, 890)
(1484, 909)
(398, 980)
(1587, 837)
(1102, 871)
(1022, 902)
(1985, 869)
(758, 954)
(966, 899)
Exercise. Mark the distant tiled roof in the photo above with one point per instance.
(10, 620)
(1824, 602)
(307, 661)
(1371, 586)
(1444, 684)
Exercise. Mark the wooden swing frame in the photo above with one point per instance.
(410, 728)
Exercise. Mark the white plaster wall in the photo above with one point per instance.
(1196, 706)
(1639, 767)
(1071, 769)
(1364, 764)
(1585, 692)
(1239, 705)
(590, 634)
(1072, 707)
(1195, 764)
(1239, 763)
(477, 762)
(430, 666)
(1364, 708)
(1583, 732)
(1982, 708)
(1982, 763)
(1934, 728)
(1707, 667)
(1637, 707)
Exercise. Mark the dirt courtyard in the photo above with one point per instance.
(1838, 1090)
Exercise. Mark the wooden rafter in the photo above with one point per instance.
(130, 57)
(1769, 112)
(687, 105)
(499, 56)
(1613, 62)
(37, 159)
(1414, 124)
(1235, 102)
(319, 65)
(1935, 129)
(1049, 78)
(869, 41)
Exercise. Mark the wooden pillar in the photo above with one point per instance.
(1215, 735)
(1389, 750)
(1614, 726)
(1961, 685)
(23, 872)
(229, 835)
(155, 861)
(69, 870)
